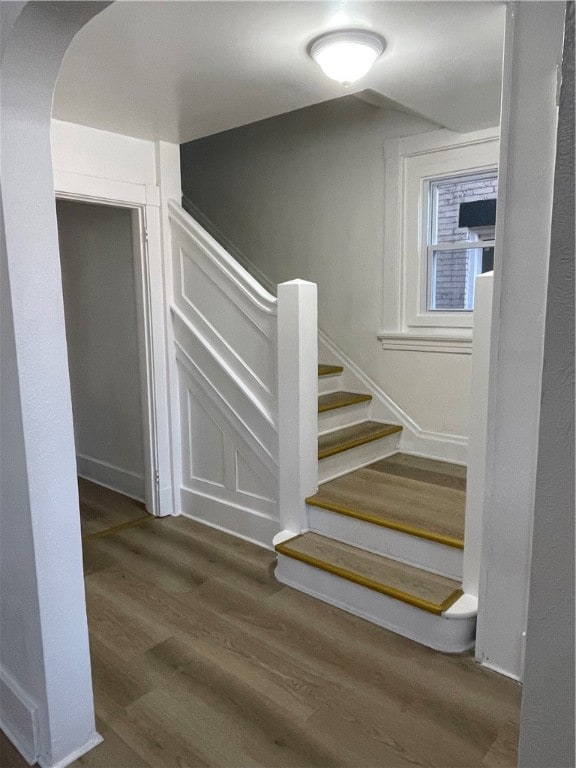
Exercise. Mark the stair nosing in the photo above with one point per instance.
(336, 370)
(361, 397)
(397, 594)
(421, 533)
(390, 429)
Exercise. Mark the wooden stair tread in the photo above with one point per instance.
(329, 370)
(417, 496)
(334, 400)
(404, 582)
(351, 437)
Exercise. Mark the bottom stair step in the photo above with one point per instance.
(423, 606)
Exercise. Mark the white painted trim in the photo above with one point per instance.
(227, 244)
(424, 143)
(476, 475)
(533, 47)
(151, 308)
(404, 285)
(227, 265)
(248, 524)
(94, 741)
(18, 717)
(76, 186)
(413, 342)
(110, 476)
(297, 349)
(167, 158)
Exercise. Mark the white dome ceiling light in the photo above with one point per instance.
(346, 55)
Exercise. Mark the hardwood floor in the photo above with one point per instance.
(420, 496)
(200, 658)
(102, 508)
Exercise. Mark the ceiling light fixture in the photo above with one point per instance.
(346, 55)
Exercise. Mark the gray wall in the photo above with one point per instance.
(97, 261)
(302, 196)
(547, 728)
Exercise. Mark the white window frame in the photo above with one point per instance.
(410, 164)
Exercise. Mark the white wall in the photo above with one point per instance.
(97, 258)
(83, 151)
(523, 229)
(46, 704)
(302, 196)
(547, 726)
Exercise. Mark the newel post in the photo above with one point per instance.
(477, 440)
(297, 400)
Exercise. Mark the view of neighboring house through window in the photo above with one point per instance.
(460, 238)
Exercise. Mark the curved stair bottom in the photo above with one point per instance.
(450, 632)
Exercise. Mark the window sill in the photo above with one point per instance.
(411, 342)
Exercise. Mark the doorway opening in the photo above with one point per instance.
(106, 299)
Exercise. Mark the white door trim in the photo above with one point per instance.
(142, 200)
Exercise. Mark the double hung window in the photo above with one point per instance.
(460, 238)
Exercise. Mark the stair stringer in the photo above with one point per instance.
(413, 439)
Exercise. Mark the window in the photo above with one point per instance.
(439, 199)
(460, 241)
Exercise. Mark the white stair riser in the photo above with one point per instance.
(414, 550)
(343, 417)
(354, 458)
(443, 634)
(329, 384)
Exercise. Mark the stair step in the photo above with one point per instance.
(329, 370)
(351, 437)
(333, 400)
(417, 496)
(411, 585)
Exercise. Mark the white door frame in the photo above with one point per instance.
(149, 308)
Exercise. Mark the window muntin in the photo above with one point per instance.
(454, 254)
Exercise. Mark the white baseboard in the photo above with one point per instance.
(18, 717)
(92, 742)
(238, 521)
(111, 476)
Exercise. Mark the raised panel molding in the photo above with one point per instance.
(206, 460)
(226, 323)
(18, 717)
(252, 477)
(236, 476)
(225, 389)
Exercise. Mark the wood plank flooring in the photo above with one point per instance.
(200, 658)
(420, 496)
(102, 508)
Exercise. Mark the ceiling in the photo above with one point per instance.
(181, 70)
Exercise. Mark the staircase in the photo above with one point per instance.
(385, 531)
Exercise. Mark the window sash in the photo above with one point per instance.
(474, 269)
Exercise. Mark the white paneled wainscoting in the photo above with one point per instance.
(247, 379)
